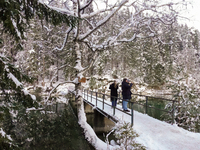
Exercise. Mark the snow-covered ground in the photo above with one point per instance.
(158, 135)
(155, 134)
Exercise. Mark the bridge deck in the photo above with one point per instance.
(154, 134)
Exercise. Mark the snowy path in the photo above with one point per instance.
(155, 134)
(158, 135)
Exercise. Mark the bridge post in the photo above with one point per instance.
(103, 100)
(56, 107)
(146, 104)
(173, 112)
(96, 98)
(132, 115)
(84, 93)
(87, 94)
(91, 95)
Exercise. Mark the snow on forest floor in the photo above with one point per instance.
(155, 134)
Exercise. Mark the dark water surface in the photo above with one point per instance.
(63, 132)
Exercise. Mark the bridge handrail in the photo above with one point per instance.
(119, 98)
(134, 102)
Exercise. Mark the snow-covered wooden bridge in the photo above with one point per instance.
(153, 133)
(101, 102)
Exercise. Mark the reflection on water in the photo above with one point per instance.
(57, 108)
(60, 132)
(155, 103)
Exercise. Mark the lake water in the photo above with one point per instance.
(65, 133)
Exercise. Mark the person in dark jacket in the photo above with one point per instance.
(126, 93)
(113, 93)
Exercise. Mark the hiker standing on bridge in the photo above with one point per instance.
(126, 93)
(113, 93)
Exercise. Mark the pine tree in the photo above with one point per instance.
(187, 107)
(15, 17)
(14, 99)
(125, 136)
(16, 14)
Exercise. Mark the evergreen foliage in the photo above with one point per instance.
(92, 83)
(14, 99)
(16, 14)
(187, 107)
(125, 136)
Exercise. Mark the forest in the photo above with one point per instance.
(47, 44)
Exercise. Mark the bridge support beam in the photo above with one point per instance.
(98, 121)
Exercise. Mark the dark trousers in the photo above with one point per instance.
(114, 101)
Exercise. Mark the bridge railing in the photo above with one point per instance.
(145, 102)
(104, 98)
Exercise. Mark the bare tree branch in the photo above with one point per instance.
(102, 22)
(50, 93)
(65, 40)
(86, 5)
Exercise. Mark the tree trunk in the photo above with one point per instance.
(78, 87)
(90, 135)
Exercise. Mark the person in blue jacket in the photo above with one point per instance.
(126, 93)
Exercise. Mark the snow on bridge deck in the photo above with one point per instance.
(154, 134)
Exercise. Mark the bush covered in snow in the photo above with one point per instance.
(125, 136)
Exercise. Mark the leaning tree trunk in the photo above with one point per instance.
(90, 135)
